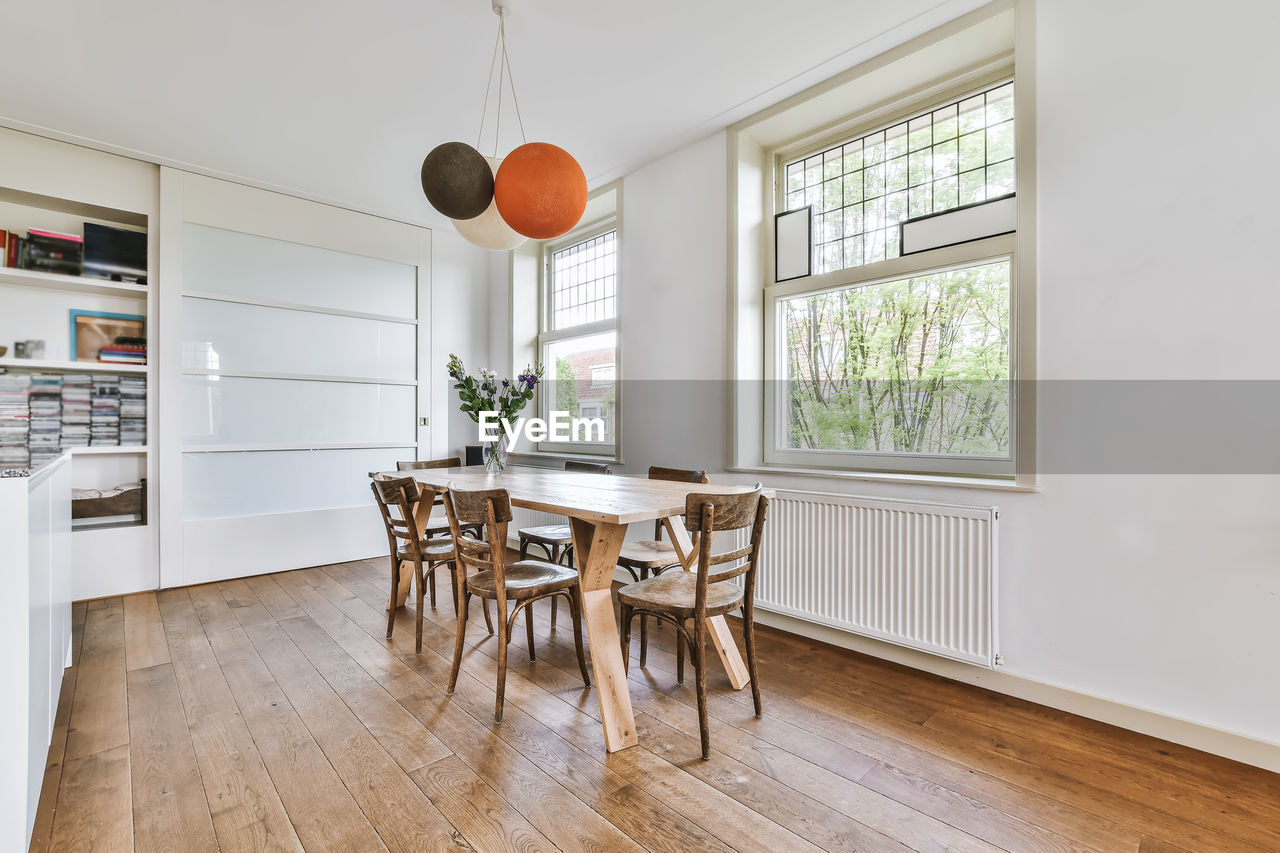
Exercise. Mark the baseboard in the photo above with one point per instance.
(1227, 744)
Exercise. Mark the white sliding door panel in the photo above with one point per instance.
(219, 548)
(217, 261)
(298, 334)
(223, 485)
(230, 410)
(249, 338)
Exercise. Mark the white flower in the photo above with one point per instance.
(487, 374)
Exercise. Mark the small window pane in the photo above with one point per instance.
(1000, 179)
(831, 165)
(896, 206)
(832, 194)
(921, 132)
(945, 194)
(973, 114)
(875, 246)
(1000, 142)
(853, 219)
(813, 171)
(921, 200)
(873, 148)
(945, 159)
(1000, 104)
(973, 186)
(895, 141)
(873, 181)
(895, 175)
(945, 123)
(973, 151)
(853, 251)
(921, 171)
(853, 156)
(853, 187)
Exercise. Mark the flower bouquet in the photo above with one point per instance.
(504, 400)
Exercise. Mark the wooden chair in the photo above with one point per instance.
(397, 498)
(682, 598)
(556, 540)
(524, 581)
(654, 556)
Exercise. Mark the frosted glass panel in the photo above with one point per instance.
(218, 485)
(221, 410)
(235, 264)
(232, 336)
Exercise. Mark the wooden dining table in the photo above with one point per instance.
(599, 508)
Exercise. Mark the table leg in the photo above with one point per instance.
(596, 547)
(717, 627)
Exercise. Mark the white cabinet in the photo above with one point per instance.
(35, 631)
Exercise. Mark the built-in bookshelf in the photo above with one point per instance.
(80, 407)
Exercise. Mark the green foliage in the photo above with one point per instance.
(483, 393)
(919, 365)
(566, 387)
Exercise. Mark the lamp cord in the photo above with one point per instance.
(502, 31)
(488, 87)
(504, 70)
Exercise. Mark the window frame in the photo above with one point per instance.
(921, 263)
(547, 335)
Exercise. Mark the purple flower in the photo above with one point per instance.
(506, 383)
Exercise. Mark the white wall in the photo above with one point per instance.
(460, 323)
(1162, 591)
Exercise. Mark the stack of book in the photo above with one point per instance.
(43, 250)
(125, 350)
(133, 411)
(14, 420)
(77, 407)
(46, 418)
(53, 251)
(104, 416)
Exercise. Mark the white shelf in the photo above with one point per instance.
(70, 283)
(70, 366)
(109, 451)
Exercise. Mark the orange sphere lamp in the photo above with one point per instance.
(540, 190)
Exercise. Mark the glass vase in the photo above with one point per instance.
(495, 456)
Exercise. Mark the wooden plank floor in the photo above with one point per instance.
(270, 714)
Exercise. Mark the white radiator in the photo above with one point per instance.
(914, 573)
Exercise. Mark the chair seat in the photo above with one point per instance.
(432, 549)
(649, 554)
(552, 534)
(675, 594)
(524, 579)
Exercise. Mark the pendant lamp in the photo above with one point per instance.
(538, 190)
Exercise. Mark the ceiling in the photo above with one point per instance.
(341, 101)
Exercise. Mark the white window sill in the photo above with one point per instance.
(961, 482)
(550, 459)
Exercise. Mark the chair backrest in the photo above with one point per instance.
(587, 467)
(674, 475)
(397, 497)
(707, 514)
(468, 509)
(422, 464)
